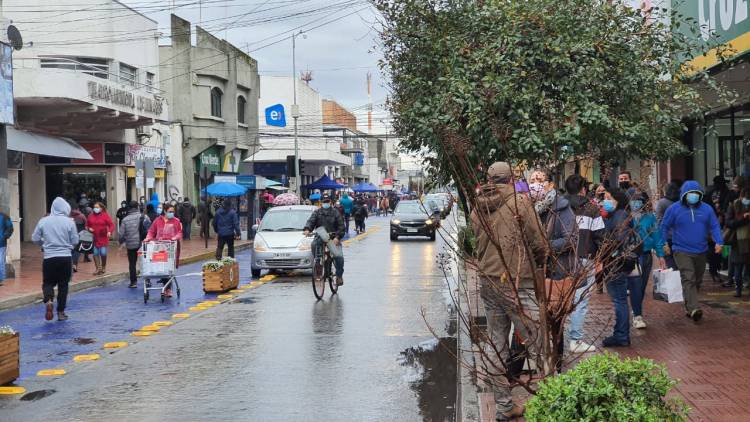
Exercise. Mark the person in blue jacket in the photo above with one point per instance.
(645, 226)
(347, 204)
(691, 221)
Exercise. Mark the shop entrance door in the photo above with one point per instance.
(731, 156)
(72, 183)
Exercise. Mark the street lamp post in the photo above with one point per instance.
(295, 112)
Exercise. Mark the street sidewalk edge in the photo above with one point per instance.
(101, 281)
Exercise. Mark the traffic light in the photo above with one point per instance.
(301, 167)
(290, 166)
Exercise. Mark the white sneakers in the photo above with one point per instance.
(638, 322)
(579, 346)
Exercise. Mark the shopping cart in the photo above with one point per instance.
(158, 259)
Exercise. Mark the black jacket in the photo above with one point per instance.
(590, 225)
(330, 219)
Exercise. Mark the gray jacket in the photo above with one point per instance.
(129, 231)
(57, 232)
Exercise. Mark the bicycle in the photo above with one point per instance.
(322, 268)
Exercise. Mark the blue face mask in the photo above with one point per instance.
(693, 198)
(746, 201)
(97, 210)
(158, 211)
(326, 205)
(636, 205)
(609, 205)
(170, 215)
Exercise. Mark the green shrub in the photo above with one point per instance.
(466, 240)
(605, 388)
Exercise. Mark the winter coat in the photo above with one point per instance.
(735, 221)
(226, 222)
(186, 213)
(360, 212)
(648, 232)
(347, 204)
(496, 205)
(6, 231)
(590, 225)
(154, 200)
(559, 222)
(617, 232)
(328, 218)
(79, 219)
(691, 225)
(130, 233)
(56, 233)
(100, 224)
(121, 213)
(164, 228)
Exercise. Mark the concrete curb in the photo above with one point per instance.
(101, 281)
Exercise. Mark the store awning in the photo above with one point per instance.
(35, 143)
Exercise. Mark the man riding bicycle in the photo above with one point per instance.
(330, 219)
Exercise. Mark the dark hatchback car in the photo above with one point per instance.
(411, 218)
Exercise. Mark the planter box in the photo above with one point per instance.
(9, 358)
(215, 281)
(235, 275)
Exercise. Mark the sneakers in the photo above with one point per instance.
(579, 346)
(514, 413)
(133, 285)
(339, 281)
(638, 322)
(48, 311)
(61, 316)
(696, 315)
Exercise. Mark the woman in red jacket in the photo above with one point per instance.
(101, 226)
(167, 227)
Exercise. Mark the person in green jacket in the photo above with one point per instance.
(646, 229)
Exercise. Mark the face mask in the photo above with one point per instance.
(170, 214)
(123, 205)
(692, 198)
(536, 191)
(636, 205)
(97, 210)
(624, 185)
(159, 211)
(609, 205)
(326, 205)
(745, 201)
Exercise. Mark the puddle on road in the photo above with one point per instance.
(37, 395)
(243, 300)
(84, 340)
(433, 378)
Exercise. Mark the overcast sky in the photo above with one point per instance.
(339, 53)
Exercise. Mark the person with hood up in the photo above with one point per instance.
(100, 224)
(505, 222)
(166, 227)
(57, 235)
(691, 222)
(227, 228)
(154, 201)
(186, 214)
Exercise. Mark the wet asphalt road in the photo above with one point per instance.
(272, 353)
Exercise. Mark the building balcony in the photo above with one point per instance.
(352, 147)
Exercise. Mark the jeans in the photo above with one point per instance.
(225, 240)
(347, 217)
(635, 287)
(618, 292)
(186, 230)
(739, 271)
(647, 264)
(56, 271)
(501, 311)
(714, 260)
(692, 267)
(132, 261)
(338, 261)
(101, 251)
(583, 294)
(2, 262)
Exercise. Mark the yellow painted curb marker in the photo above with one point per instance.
(212, 302)
(180, 316)
(12, 390)
(205, 305)
(162, 323)
(149, 328)
(236, 291)
(115, 344)
(141, 333)
(224, 296)
(84, 358)
(196, 308)
(50, 372)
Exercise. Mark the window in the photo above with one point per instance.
(149, 82)
(91, 66)
(241, 109)
(128, 75)
(216, 95)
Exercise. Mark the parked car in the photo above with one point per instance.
(443, 202)
(279, 243)
(412, 218)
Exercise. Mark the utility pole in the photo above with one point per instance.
(295, 114)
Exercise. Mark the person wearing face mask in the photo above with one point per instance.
(616, 269)
(692, 222)
(625, 180)
(227, 227)
(121, 212)
(737, 235)
(101, 226)
(330, 219)
(646, 228)
(166, 227)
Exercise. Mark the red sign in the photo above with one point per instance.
(388, 182)
(96, 151)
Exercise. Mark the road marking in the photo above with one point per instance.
(236, 291)
(205, 304)
(224, 296)
(141, 333)
(162, 323)
(84, 358)
(212, 302)
(180, 316)
(149, 328)
(50, 372)
(115, 344)
(12, 390)
(196, 308)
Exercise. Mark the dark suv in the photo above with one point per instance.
(412, 218)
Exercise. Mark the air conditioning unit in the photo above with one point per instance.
(143, 131)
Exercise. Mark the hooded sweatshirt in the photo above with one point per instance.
(691, 225)
(57, 232)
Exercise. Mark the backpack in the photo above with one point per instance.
(142, 232)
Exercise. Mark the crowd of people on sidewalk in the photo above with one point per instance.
(599, 235)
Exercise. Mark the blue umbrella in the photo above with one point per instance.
(315, 197)
(225, 189)
(324, 183)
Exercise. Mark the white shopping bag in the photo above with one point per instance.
(668, 286)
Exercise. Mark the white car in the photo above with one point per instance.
(279, 243)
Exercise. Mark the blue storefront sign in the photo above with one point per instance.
(359, 159)
(247, 181)
(275, 116)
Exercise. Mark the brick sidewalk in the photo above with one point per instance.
(26, 286)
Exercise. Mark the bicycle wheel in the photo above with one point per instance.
(331, 278)
(318, 279)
